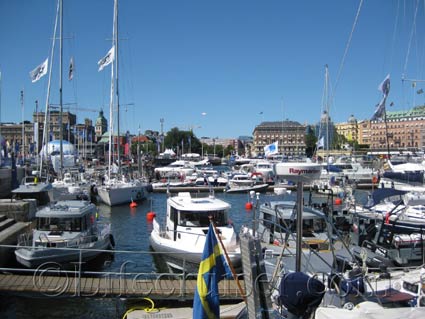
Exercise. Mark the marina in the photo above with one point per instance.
(261, 192)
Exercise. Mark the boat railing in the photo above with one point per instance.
(44, 241)
(25, 239)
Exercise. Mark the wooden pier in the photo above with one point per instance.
(68, 285)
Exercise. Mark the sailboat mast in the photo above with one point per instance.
(0, 123)
(60, 86)
(111, 103)
(117, 87)
(46, 114)
(327, 107)
(23, 126)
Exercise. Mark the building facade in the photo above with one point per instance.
(348, 129)
(289, 134)
(101, 126)
(325, 131)
(402, 130)
(365, 134)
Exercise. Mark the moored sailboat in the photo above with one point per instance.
(119, 189)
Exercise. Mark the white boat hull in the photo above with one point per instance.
(121, 194)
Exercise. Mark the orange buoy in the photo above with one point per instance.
(248, 206)
(133, 204)
(338, 201)
(150, 216)
(374, 179)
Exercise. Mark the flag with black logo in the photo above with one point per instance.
(107, 59)
(39, 71)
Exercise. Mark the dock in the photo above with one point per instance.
(68, 285)
(222, 189)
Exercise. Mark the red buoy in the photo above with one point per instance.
(338, 201)
(248, 206)
(150, 216)
(133, 204)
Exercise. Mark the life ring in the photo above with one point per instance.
(139, 195)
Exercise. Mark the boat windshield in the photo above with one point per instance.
(310, 226)
(61, 224)
(196, 219)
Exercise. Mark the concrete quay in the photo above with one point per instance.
(15, 219)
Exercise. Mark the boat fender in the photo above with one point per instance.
(300, 293)
(139, 195)
(387, 218)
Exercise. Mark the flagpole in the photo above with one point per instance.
(235, 277)
(386, 133)
(23, 126)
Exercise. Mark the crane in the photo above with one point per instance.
(74, 107)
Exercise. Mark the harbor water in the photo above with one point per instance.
(131, 230)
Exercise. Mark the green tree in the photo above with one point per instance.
(310, 142)
(175, 137)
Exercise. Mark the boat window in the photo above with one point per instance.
(313, 225)
(196, 219)
(173, 214)
(59, 224)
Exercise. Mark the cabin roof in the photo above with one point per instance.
(69, 208)
(184, 201)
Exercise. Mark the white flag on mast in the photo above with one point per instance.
(107, 59)
(321, 142)
(39, 71)
(271, 149)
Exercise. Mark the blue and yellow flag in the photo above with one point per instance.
(213, 268)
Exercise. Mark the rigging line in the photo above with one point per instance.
(394, 33)
(347, 47)
(410, 39)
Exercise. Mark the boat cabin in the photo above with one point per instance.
(277, 220)
(64, 220)
(184, 213)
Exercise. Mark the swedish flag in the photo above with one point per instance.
(213, 268)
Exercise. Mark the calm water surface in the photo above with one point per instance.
(131, 232)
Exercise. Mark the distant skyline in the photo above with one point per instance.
(217, 67)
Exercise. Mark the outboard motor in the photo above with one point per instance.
(300, 294)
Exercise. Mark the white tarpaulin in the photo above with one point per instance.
(53, 148)
(366, 310)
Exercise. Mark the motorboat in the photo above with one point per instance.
(71, 184)
(277, 224)
(244, 183)
(34, 186)
(390, 230)
(65, 232)
(181, 238)
(182, 167)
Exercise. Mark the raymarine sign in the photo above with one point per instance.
(298, 172)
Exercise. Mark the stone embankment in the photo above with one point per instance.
(15, 219)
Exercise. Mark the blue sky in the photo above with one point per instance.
(214, 66)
